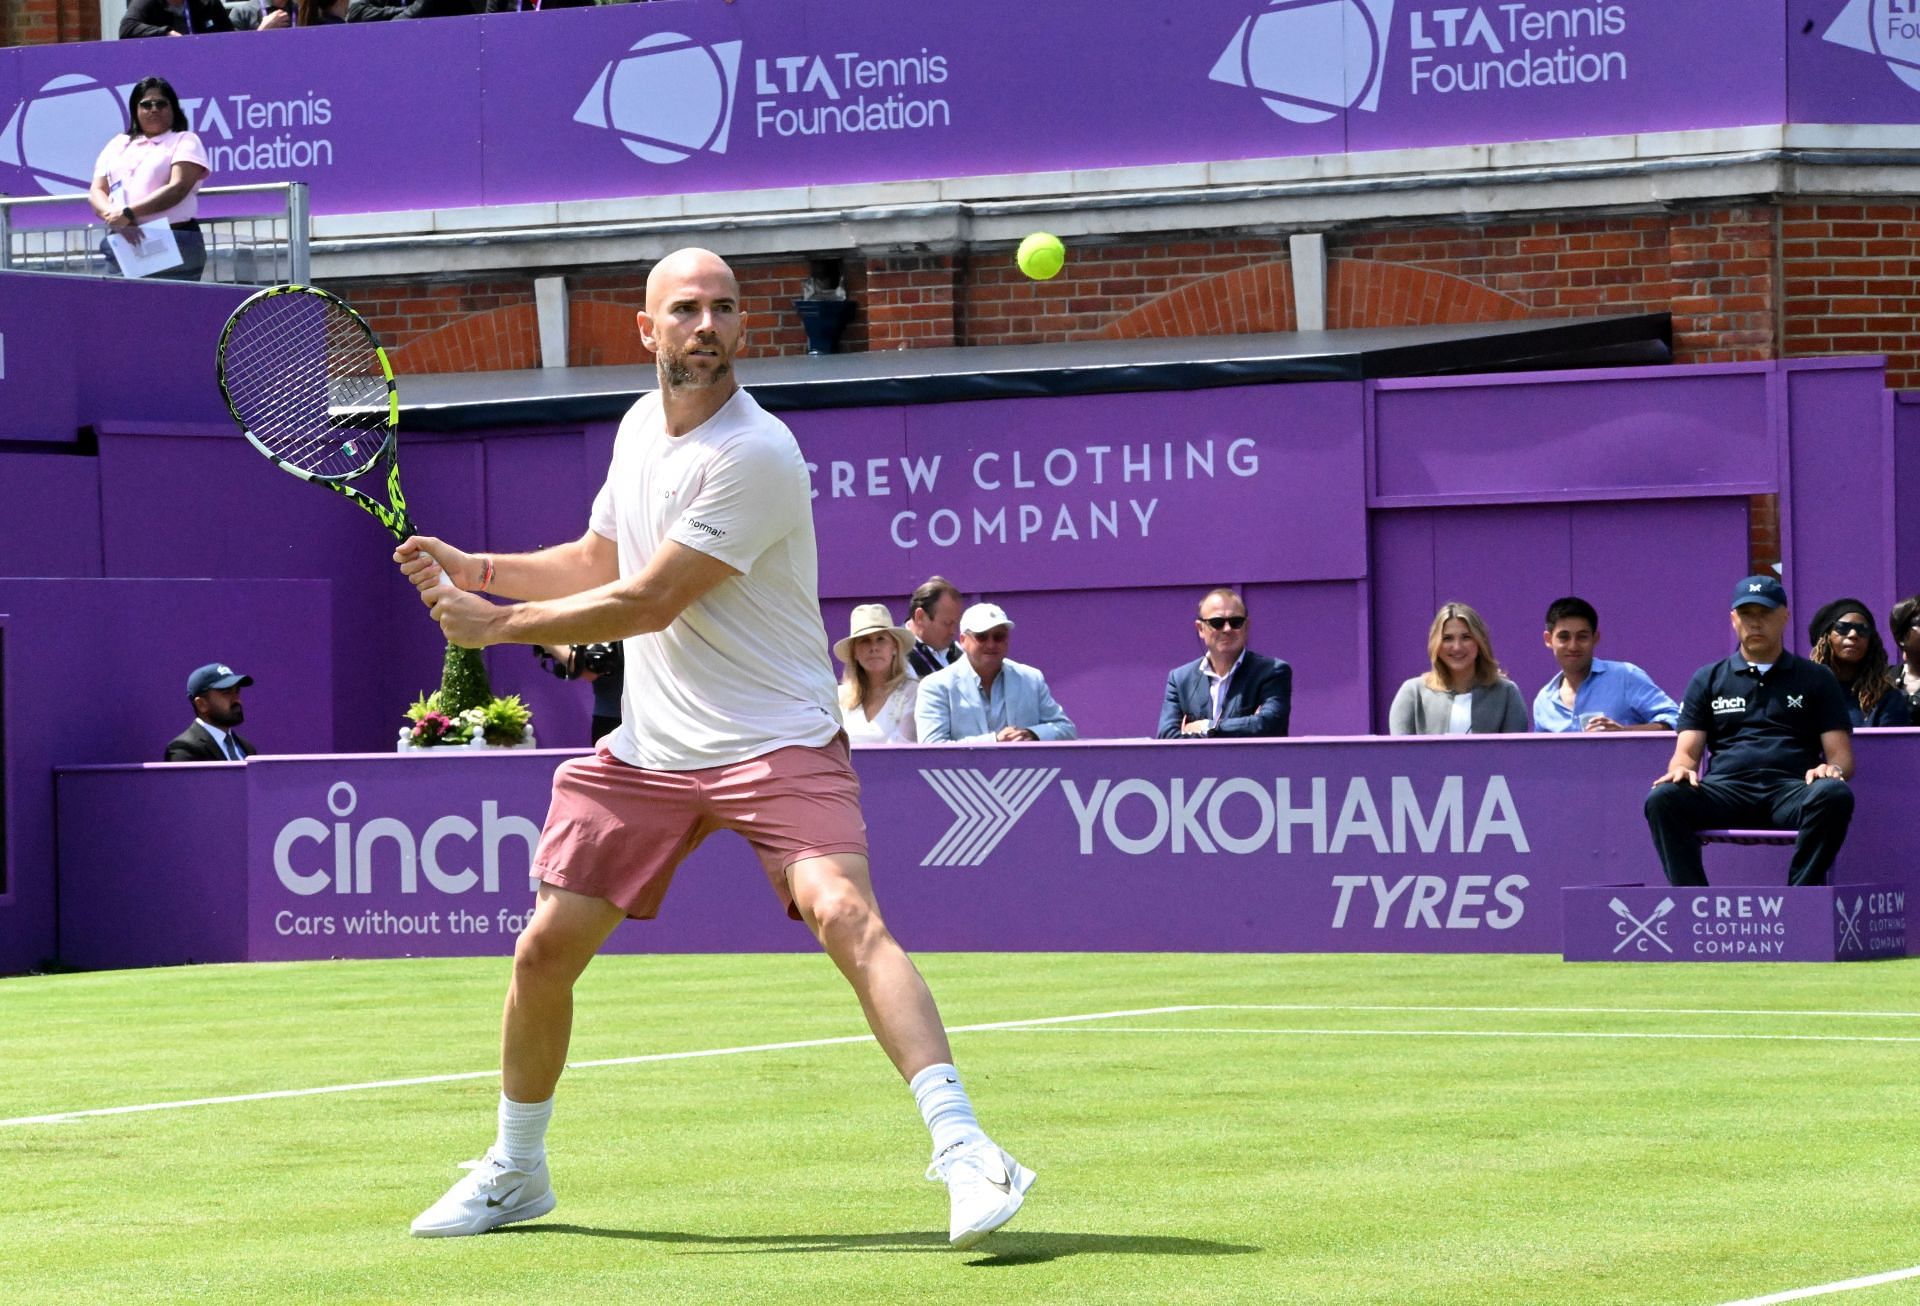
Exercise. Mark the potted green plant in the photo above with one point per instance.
(464, 713)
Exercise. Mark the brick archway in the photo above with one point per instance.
(601, 334)
(1242, 301)
(1371, 293)
(1360, 293)
(500, 340)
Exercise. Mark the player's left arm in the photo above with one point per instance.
(675, 579)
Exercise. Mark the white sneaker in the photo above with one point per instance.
(494, 1193)
(986, 1187)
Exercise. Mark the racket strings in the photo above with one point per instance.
(306, 380)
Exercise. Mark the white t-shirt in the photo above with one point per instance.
(744, 670)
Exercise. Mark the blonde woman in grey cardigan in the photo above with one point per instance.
(1464, 693)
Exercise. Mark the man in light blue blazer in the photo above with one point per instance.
(986, 697)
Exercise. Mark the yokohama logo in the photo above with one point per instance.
(984, 810)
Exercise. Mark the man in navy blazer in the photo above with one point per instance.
(986, 697)
(1231, 692)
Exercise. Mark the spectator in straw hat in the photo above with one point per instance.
(876, 693)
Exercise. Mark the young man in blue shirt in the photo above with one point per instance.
(1592, 693)
(1782, 747)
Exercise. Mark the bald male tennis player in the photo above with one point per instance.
(700, 555)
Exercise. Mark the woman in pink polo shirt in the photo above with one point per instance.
(152, 172)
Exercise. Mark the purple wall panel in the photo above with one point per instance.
(1510, 562)
(98, 672)
(1573, 435)
(1906, 495)
(117, 844)
(50, 522)
(519, 521)
(1670, 620)
(1840, 538)
(53, 324)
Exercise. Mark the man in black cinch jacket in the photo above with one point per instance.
(1782, 747)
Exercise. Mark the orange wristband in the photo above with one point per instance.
(486, 578)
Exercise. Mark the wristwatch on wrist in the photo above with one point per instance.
(127, 213)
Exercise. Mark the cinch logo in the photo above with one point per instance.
(1637, 933)
(1888, 28)
(1734, 704)
(984, 810)
(353, 850)
(55, 134)
(668, 98)
(1310, 59)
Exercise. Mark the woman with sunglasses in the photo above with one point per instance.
(1847, 642)
(1464, 692)
(152, 173)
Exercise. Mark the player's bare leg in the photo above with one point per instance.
(510, 1182)
(565, 933)
(835, 897)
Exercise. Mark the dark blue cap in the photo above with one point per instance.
(1765, 591)
(215, 675)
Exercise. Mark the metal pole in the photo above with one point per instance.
(299, 229)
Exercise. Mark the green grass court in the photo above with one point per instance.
(1327, 1129)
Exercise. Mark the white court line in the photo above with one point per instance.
(1485, 1033)
(64, 1117)
(1825, 1289)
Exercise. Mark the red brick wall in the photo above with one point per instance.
(46, 22)
(1848, 273)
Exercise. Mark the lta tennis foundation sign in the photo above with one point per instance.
(1848, 922)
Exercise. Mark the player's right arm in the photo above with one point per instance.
(583, 564)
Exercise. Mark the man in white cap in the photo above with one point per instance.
(987, 697)
(214, 691)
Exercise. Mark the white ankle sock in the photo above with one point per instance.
(523, 1131)
(945, 1107)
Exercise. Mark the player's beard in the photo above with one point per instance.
(230, 718)
(682, 376)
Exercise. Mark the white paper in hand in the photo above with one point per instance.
(156, 252)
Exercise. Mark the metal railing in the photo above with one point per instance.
(251, 249)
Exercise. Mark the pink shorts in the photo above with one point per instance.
(618, 832)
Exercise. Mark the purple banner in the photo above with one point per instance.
(713, 95)
(1421, 845)
(1089, 493)
(1852, 922)
(1853, 61)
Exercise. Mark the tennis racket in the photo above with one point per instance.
(310, 387)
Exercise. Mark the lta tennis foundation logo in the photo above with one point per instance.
(1310, 59)
(668, 98)
(55, 135)
(1888, 28)
(984, 809)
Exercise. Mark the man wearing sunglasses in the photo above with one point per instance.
(1231, 692)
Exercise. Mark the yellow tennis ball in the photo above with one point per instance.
(1041, 256)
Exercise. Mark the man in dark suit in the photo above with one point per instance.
(1231, 692)
(933, 615)
(214, 691)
